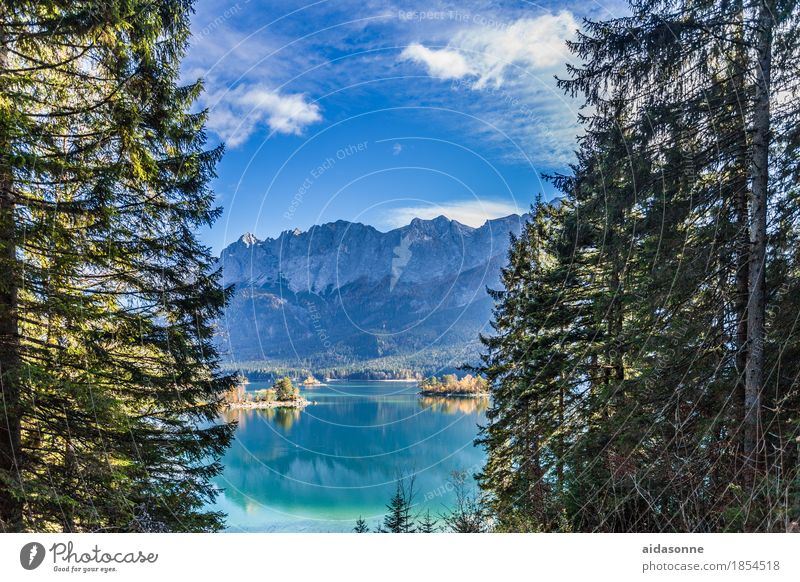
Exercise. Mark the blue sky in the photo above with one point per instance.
(380, 111)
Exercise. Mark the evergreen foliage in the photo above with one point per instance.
(399, 518)
(110, 388)
(426, 523)
(640, 361)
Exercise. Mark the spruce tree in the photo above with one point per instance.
(625, 367)
(426, 523)
(109, 370)
(700, 115)
(399, 518)
(523, 362)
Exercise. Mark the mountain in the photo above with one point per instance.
(344, 291)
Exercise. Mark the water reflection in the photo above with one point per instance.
(455, 404)
(283, 418)
(319, 468)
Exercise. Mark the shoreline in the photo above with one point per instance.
(250, 405)
(455, 394)
(408, 381)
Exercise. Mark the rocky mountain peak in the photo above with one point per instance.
(371, 292)
(248, 239)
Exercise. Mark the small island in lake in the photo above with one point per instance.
(450, 385)
(283, 394)
(312, 381)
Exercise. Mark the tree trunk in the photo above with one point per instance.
(561, 430)
(754, 382)
(10, 437)
(740, 193)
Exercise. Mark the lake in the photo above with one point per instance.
(319, 469)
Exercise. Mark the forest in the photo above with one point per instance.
(644, 362)
(644, 355)
(110, 379)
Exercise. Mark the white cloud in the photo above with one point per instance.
(489, 53)
(442, 63)
(470, 212)
(507, 84)
(536, 44)
(237, 113)
(397, 149)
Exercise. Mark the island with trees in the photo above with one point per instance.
(283, 394)
(450, 385)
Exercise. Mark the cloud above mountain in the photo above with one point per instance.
(239, 112)
(490, 53)
(470, 212)
(502, 73)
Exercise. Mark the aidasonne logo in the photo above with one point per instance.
(66, 558)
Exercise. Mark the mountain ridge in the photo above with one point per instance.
(344, 291)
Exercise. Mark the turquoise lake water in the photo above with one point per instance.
(319, 469)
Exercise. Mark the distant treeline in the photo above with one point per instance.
(413, 367)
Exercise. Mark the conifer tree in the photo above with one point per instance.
(399, 518)
(426, 523)
(361, 526)
(109, 371)
(523, 361)
(629, 369)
